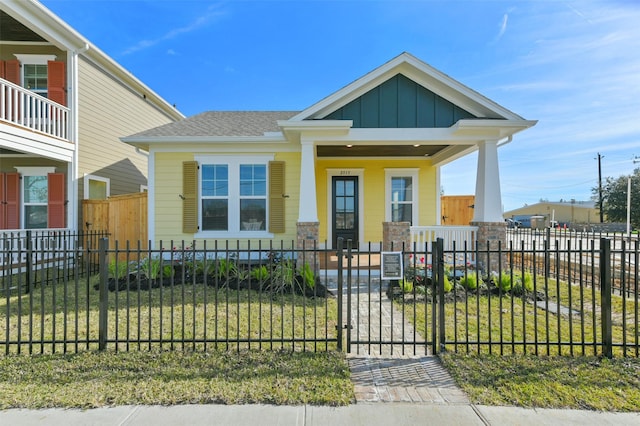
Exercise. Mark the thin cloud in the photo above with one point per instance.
(503, 27)
(212, 13)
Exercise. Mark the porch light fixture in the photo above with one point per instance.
(416, 145)
(349, 146)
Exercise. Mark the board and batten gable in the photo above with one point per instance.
(108, 110)
(168, 206)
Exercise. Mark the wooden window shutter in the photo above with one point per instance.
(2, 69)
(56, 78)
(56, 203)
(12, 71)
(190, 197)
(10, 198)
(276, 197)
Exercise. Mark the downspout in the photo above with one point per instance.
(75, 134)
(505, 141)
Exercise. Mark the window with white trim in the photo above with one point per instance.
(35, 72)
(96, 187)
(402, 195)
(233, 194)
(35, 196)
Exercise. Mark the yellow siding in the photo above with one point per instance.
(374, 192)
(108, 111)
(168, 205)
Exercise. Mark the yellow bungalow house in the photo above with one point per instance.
(364, 157)
(64, 104)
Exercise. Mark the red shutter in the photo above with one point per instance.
(56, 205)
(2, 68)
(12, 106)
(56, 79)
(11, 201)
(3, 204)
(12, 71)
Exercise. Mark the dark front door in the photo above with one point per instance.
(345, 209)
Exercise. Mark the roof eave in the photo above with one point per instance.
(61, 34)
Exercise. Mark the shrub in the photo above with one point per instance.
(406, 286)
(118, 270)
(448, 286)
(308, 276)
(470, 281)
(150, 268)
(260, 273)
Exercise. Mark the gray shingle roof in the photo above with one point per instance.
(222, 123)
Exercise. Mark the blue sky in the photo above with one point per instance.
(572, 65)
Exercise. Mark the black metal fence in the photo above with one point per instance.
(545, 297)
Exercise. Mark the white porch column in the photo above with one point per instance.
(308, 209)
(488, 202)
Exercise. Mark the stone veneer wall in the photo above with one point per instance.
(307, 237)
(491, 233)
(395, 234)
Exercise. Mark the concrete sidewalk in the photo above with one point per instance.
(395, 414)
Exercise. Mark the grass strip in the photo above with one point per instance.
(548, 382)
(97, 379)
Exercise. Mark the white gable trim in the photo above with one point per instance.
(420, 72)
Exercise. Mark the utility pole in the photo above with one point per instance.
(600, 187)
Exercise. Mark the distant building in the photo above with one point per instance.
(560, 212)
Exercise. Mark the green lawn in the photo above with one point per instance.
(96, 379)
(183, 316)
(550, 382)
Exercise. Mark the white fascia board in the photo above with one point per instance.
(42, 21)
(491, 129)
(452, 153)
(48, 25)
(35, 144)
(420, 72)
(315, 125)
(203, 142)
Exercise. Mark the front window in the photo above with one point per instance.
(233, 195)
(253, 197)
(215, 197)
(402, 195)
(35, 192)
(35, 78)
(401, 199)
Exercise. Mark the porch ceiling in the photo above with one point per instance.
(12, 30)
(379, 150)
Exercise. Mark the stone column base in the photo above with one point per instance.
(396, 236)
(491, 235)
(307, 238)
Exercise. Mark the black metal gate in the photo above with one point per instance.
(385, 317)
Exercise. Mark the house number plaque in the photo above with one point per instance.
(391, 265)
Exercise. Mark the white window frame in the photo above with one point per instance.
(32, 171)
(389, 174)
(88, 178)
(30, 59)
(233, 163)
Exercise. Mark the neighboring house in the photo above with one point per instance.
(560, 212)
(63, 106)
(367, 154)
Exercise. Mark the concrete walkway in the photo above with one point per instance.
(391, 372)
(397, 414)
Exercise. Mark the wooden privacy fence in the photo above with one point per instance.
(457, 209)
(124, 217)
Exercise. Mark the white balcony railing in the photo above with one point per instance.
(23, 108)
(420, 235)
